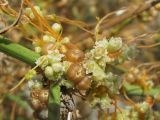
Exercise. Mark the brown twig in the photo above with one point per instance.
(15, 22)
(12, 116)
(130, 13)
(149, 46)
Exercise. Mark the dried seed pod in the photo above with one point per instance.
(74, 55)
(71, 46)
(43, 96)
(35, 93)
(75, 73)
(84, 84)
(100, 91)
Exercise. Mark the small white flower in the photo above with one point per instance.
(114, 44)
(65, 40)
(55, 56)
(92, 67)
(38, 49)
(48, 38)
(57, 27)
(37, 84)
(99, 52)
(67, 83)
(101, 43)
(48, 71)
(42, 61)
(57, 67)
(30, 84)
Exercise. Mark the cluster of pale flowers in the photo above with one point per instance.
(131, 113)
(94, 63)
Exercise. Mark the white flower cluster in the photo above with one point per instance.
(103, 102)
(38, 95)
(95, 64)
(49, 40)
(98, 57)
(52, 65)
(130, 113)
(101, 50)
(127, 114)
(114, 44)
(35, 82)
(92, 67)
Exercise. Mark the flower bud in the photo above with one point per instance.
(47, 38)
(114, 44)
(48, 71)
(65, 40)
(38, 49)
(57, 67)
(57, 27)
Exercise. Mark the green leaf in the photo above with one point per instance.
(17, 51)
(54, 103)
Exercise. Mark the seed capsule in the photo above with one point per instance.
(43, 96)
(75, 73)
(84, 84)
(35, 93)
(74, 55)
